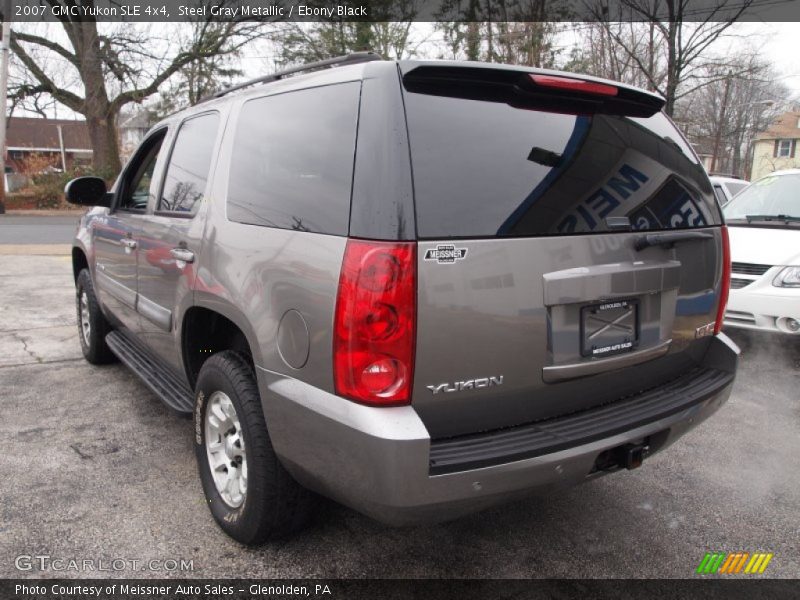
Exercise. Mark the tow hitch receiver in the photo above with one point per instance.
(633, 455)
(629, 456)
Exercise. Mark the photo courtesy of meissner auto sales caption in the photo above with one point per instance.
(177, 589)
(373, 329)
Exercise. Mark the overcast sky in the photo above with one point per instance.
(779, 43)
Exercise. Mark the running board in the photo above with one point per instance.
(171, 391)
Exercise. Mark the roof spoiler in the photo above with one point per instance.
(553, 92)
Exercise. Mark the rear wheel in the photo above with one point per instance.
(92, 324)
(250, 494)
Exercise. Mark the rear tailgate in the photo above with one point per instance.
(539, 293)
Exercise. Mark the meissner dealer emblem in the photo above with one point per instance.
(445, 254)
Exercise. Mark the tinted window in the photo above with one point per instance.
(189, 163)
(486, 168)
(292, 164)
(138, 183)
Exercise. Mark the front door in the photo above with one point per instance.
(116, 236)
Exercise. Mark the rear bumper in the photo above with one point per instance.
(378, 460)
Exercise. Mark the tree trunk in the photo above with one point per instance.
(473, 41)
(673, 68)
(105, 144)
(100, 117)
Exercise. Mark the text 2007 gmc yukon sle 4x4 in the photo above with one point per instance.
(417, 288)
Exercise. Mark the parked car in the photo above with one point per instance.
(536, 303)
(725, 188)
(764, 229)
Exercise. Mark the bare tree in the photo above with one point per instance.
(203, 77)
(509, 31)
(726, 115)
(307, 42)
(115, 65)
(676, 36)
(388, 34)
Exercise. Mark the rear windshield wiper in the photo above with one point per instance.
(668, 240)
(785, 218)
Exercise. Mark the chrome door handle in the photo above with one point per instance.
(129, 243)
(182, 254)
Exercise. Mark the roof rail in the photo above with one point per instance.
(337, 61)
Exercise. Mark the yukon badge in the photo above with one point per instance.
(469, 384)
(445, 254)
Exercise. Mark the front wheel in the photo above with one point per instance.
(92, 324)
(250, 494)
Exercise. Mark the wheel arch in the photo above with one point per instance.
(208, 328)
(80, 261)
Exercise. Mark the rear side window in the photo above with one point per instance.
(734, 188)
(485, 168)
(189, 163)
(720, 194)
(292, 164)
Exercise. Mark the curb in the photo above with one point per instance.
(44, 212)
(35, 249)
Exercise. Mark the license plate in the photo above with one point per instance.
(609, 328)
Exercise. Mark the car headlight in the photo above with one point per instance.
(788, 277)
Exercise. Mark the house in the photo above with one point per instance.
(776, 148)
(132, 129)
(60, 142)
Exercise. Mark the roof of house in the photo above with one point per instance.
(785, 127)
(42, 134)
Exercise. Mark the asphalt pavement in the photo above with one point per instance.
(94, 467)
(38, 229)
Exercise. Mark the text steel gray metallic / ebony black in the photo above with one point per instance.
(418, 288)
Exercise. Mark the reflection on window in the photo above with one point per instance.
(139, 174)
(187, 173)
(671, 207)
(488, 169)
(292, 164)
(141, 191)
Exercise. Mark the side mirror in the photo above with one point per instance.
(87, 191)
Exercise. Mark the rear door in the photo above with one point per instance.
(172, 236)
(539, 292)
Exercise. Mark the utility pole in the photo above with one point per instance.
(4, 49)
(718, 135)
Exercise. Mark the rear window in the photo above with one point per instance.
(734, 188)
(487, 169)
(292, 164)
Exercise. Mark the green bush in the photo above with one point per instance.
(48, 188)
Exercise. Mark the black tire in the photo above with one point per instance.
(274, 505)
(93, 343)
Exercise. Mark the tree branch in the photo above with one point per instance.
(44, 42)
(66, 97)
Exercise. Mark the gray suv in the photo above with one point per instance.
(418, 288)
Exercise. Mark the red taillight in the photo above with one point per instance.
(374, 324)
(575, 85)
(725, 285)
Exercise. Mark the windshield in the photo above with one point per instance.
(771, 196)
